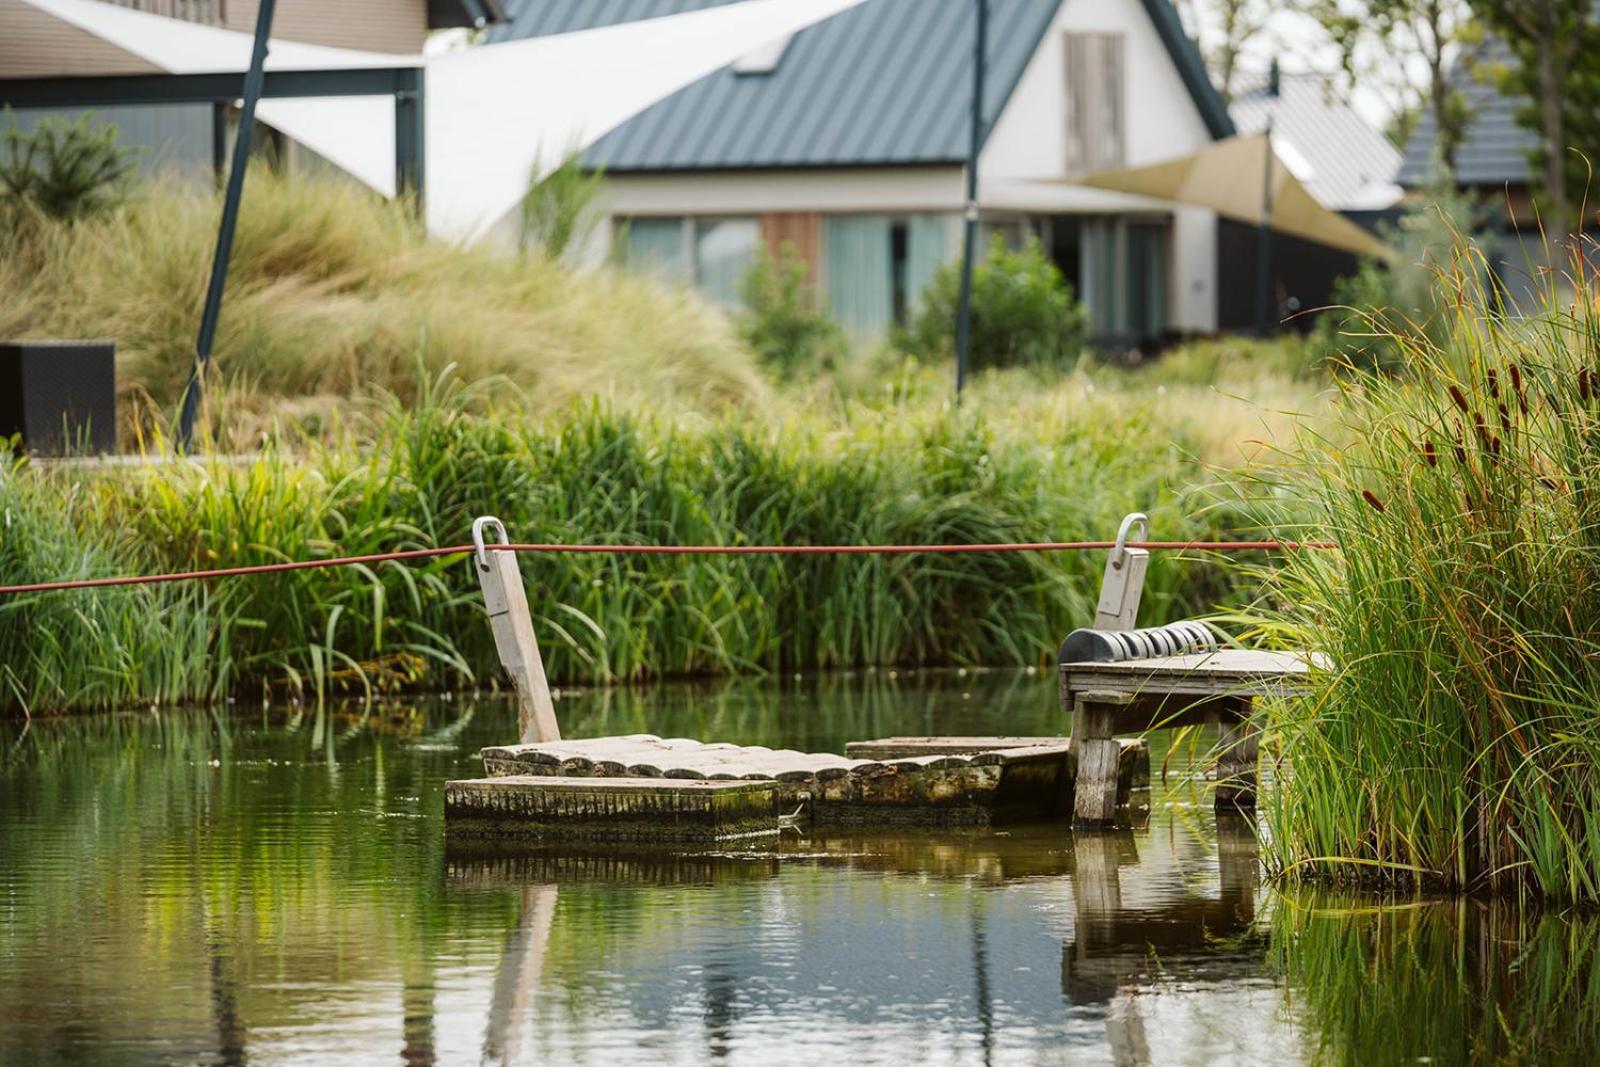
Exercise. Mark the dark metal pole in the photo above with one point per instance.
(230, 218)
(1264, 241)
(964, 313)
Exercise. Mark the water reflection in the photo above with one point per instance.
(273, 887)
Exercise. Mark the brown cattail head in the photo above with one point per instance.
(1429, 454)
(1482, 427)
(1370, 497)
(1494, 383)
(1505, 417)
(1516, 379)
(1461, 400)
(1460, 447)
(1583, 384)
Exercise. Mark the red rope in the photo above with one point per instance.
(665, 550)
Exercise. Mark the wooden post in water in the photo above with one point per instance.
(507, 603)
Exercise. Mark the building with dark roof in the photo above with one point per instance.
(848, 141)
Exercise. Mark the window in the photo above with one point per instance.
(724, 252)
(1095, 136)
(875, 267)
(1124, 270)
(712, 254)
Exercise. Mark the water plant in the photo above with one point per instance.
(900, 469)
(1454, 741)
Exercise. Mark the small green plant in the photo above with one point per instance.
(1024, 314)
(783, 321)
(66, 170)
(557, 210)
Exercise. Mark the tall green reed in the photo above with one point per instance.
(886, 472)
(1455, 740)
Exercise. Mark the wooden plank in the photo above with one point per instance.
(1226, 671)
(887, 748)
(609, 809)
(507, 604)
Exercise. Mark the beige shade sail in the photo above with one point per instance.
(1230, 177)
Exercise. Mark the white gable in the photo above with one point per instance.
(1162, 121)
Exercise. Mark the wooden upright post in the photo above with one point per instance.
(507, 604)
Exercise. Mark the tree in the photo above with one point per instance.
(1224, 29)
(1375, 38)
(65, 169)
(1557, 47)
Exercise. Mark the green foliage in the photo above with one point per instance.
(67, 170)
(1385, 307)
(1024, 314)
(557, 212)
(1454, 739)
(783, 321)
(1556, 74)
(1370, 34)
(900, 470)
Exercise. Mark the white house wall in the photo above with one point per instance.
(1026, 152)
(897, 189)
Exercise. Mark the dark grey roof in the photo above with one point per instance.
(1344, 161)
(884, 83)
(1495, 148)
(445, 13)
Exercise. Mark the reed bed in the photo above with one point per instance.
(899, 469)
(1455, 741)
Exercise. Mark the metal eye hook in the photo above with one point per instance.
(478, 526)
(1119, 553)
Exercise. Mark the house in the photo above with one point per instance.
(1492, 160)
(1344, 162)
(37, 42)
(848, 142)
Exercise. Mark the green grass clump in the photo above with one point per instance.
(903, 468)
(334, 292)
(1455, 741)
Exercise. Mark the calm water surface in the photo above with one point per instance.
(272, 887)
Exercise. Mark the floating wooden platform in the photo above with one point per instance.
(569, 789)
(609, 809)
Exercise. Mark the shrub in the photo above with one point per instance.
(64, 169)
(783, 321)
(1023, 312)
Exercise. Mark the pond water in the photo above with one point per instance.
(272, 886)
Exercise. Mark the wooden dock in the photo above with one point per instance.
(641, 786)
(1138, 695)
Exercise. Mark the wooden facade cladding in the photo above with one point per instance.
(36, 44)
(397, 26)
(802, 231)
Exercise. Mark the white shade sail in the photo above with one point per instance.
(1231, 178)
(495, 114)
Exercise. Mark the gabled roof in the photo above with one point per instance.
(1495, 149)
(884, 83)
(1343, 160)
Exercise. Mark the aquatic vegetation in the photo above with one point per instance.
(1439, 981)
(895, 471)
(1456, 742)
